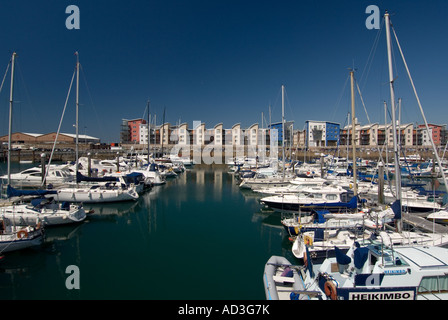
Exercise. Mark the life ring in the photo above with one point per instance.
(330, 290)
(307, 240)
(22, 234)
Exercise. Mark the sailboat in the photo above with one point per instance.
(374, 271)
(344, 240)
(100, 192)
(320, 241)
(40, 210)
(13, 237)
(377, 268)
(262, 178)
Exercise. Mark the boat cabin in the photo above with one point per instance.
(377, 272)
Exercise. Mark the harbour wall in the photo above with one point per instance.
(204, 155)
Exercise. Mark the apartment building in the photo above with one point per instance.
(315, 135)
(322, 133)
(437, 132)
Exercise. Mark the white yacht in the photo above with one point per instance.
(13, 238)
(374, 271)
(330, 198)
(58, 175)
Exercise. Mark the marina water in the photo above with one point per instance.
(196, 237)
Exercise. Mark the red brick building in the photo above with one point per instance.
(134, 129)
(437, 132)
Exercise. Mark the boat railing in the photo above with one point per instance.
(310, 294)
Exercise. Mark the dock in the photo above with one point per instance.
(418, 220)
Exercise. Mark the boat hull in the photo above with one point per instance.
(9, 243)
(277, 286)
(95, 195)
(47, 219)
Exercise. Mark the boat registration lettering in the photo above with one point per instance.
(382, 295)
(395, 272)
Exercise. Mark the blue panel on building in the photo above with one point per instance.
(332, 133)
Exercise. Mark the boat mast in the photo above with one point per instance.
(355, 175)
(162, 131)
(149, 132)
(283, 130)
(77, 109)
(392, 98)
(423, 114)
(10, 116)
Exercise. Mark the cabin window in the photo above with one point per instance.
(332, 196)
(433, 284)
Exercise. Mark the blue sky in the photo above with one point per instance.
(216, 61)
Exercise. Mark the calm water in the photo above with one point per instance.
(197, 237)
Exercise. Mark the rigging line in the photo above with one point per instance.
(59, 128)
(372, 53)
(289, 104)
(26, 89)
(276, 101)
(3, 81)
(340, 98)
(421, 110)
(90, 97)
(362, 101)
(4, 77)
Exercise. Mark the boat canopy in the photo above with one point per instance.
(80, 177)
(341, 257)
(320, 216)
(360, 256)
(12, 192)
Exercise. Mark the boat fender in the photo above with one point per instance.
(294, 296)
(22, 234)
(308, 241)
(330, 290)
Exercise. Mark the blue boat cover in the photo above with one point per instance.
(319, 234)
(309, 265)
(80, 177)
(396, 208)
(320, 216)
(341, 257)
(360, 256)
(11, 192)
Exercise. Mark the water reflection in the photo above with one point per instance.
(200, 212)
